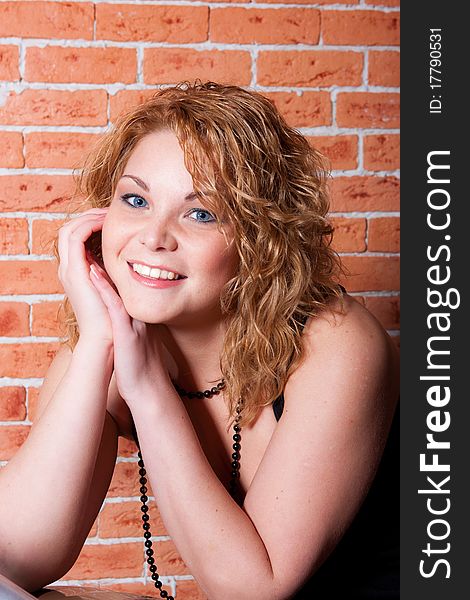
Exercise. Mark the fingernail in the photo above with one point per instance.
(94, 271)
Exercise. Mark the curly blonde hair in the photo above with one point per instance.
(252, 169)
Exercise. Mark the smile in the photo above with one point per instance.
(155, 277)
(155, 273)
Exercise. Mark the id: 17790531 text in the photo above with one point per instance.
(435, 71)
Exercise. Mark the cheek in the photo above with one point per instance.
(225, 263)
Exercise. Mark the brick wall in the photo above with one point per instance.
(68, 68)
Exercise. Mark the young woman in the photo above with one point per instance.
(203, 265)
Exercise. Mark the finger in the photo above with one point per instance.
(72, 224)
(76, 220)
(90, 211)
(72, 237)
(120, 319)
(68, 228)
(92, 261)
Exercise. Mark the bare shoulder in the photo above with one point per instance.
(349, 347)
(351, 323)
(57, 369)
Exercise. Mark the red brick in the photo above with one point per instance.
(126, 448)
(138, 589)
(366, 109)
(26, 360)
(29, 277)
(375, 2)
(365, 194)
(371, 273)
(57, 150)
(384, 68)
(188, 589)
(386, 309)
(12, 404)
(57, 64)
(265, 26)
(14, 319)
(13, 236)
(170, 24)
(169, 560)
(33, 403)
(349, 234)
(340, 150)
(322, 68)
(94, 530)
(51, 193)
(322, 2)
(11, 143)
(310, 109)
(45, 319)
(125, 100)
(111, 560)
(382, 152)
(171, 65)
(125, 481)
(9, 59)
(123, 519)
(55, 107)
(72, 20)
(44, 233)
(12, 437)
(361, 27)
(384, 234)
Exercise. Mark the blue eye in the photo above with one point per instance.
(204, 213)
(134, 200)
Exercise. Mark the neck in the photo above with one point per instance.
(193, 355)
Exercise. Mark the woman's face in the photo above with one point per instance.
(155, 222)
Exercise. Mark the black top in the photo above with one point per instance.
(365, 563)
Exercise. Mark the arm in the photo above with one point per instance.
(52, 489)
(314, 475)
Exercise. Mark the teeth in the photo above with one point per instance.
(154, 273)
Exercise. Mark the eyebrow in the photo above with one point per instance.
(138, 181)
(144, 186)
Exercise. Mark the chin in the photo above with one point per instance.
(185, 319)
(144, 314)
(153, 314)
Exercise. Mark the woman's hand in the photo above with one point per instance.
(139, 355)
(74, 273)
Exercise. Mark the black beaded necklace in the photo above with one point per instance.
(233, 486)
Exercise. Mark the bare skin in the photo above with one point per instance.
(320, 458)
(67, 461)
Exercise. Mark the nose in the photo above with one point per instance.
(157, 234)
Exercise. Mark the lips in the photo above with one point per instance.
(155, 283)
(157, 272)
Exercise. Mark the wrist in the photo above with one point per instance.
(157, 396)
(97, 354)
(93, 345)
